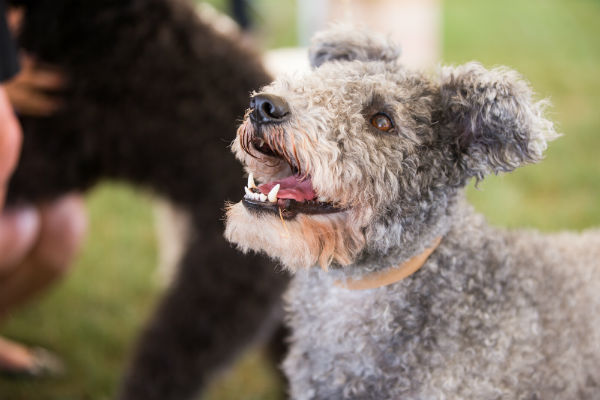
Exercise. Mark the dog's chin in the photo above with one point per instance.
(301, 242)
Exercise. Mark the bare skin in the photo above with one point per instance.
(37, 243)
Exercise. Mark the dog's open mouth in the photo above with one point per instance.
(286, 197)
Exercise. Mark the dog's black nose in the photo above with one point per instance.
(269, 108)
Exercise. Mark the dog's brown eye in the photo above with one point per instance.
(382, 122)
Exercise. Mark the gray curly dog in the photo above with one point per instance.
(363, 165)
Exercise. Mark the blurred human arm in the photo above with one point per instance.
(25, 90)
(10, 142)
(37, 242)
(10, 131)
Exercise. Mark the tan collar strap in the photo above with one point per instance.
(390, 275)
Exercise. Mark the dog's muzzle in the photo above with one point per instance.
(263, 137)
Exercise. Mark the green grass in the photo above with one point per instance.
(91, 318)
(274, 20)
(555, 44)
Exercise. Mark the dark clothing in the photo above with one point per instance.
(9, 64)
(240, 12)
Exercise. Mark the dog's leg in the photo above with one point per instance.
(219, 303)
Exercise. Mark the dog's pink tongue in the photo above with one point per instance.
(292, 187)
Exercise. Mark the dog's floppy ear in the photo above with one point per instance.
(490, 121)
(346, 43)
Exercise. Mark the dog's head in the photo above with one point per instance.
(361, 154)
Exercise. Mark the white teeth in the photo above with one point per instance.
(251, 183)
(273, 193)
(323, 199)
(255, 195)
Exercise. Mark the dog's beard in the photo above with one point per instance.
(315, 232)
(300, 243)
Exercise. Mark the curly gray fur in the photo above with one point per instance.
(493, 314)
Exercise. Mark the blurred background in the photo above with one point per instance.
(92, 317)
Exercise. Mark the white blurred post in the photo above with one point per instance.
(414, 24)
(313, 15)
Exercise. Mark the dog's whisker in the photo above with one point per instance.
(298, 164)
